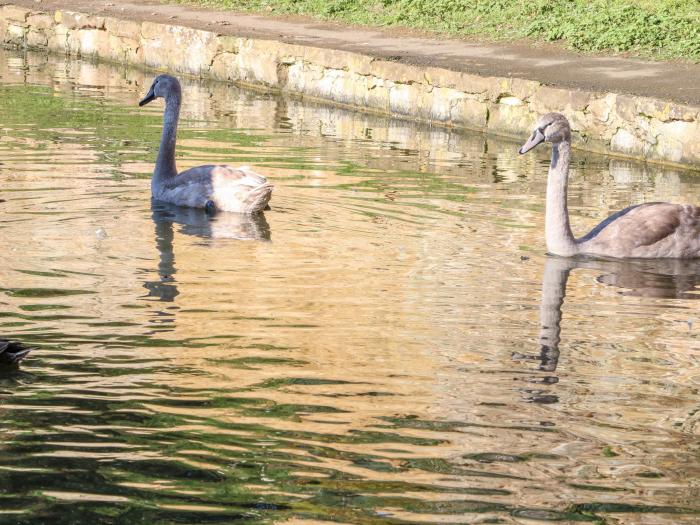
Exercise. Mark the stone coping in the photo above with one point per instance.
(626, 125)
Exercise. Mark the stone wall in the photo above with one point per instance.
(631, 126)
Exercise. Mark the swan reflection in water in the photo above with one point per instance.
(224, 225)
(656, 278)
(196, 222)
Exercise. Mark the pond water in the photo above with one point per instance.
(389, 344)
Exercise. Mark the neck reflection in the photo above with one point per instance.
(654, 278)
(195, 222)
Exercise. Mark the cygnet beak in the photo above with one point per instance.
(149, 96)
(536, 138)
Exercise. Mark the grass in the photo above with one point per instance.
(662, 29)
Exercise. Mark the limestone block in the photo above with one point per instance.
(512, 120)
(679, 130)
(442, 103)
(524, 89)
(626, 108)
(58, 39)
(396, 72)
(260, 48)
(14, 13)
(359, 64)
(37, 39)
(123, 28)
(472, 84)
(652, 108)
(436, 76)
(587, 127)
(199, 48)
(498, 88)
(626, 142)
(151, 30)
(254, 65)
(673, 138)
(691, 149)
(290, 52)
(581, 123)
(73, 20)
(178, 48)
(669, 149)
(547, 99)
(510, 100)
(15, 34)
(40, 21)
(154, 53)
(228, 44)
(643, 125)
(296, 77)
(666, 111)
(326, 86)
(601, 107)
(329, 58)
(256, 70)
(378, 91)
(88, 42)
(352, 88)
(471, 113)
(224, 66)
(405, 98)
(685, 113)
(365, 85)
(310, 83)
(124, 49)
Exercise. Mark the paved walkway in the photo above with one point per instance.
(676, 81)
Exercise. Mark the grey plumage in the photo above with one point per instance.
(650, 230)
(214, 187)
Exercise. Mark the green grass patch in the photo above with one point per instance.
(653, 28)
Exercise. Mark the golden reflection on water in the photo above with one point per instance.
(370, 351)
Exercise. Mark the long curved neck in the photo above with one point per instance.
(165, 163)
(560, 240)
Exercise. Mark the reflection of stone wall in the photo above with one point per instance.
(627, 125)
(428, 149)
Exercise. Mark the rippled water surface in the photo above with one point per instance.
(389, 344)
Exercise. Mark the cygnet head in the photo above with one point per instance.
(552, 127)
(163, 86)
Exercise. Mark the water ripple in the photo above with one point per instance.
(371, 351)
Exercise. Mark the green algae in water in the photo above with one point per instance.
(43, 293)
(41, 307)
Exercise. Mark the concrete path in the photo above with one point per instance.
(549, 64)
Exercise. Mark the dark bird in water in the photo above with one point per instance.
(12, 352)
